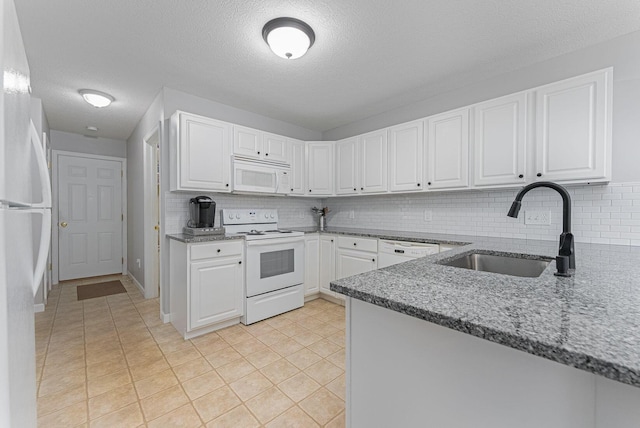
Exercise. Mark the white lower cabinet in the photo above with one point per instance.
(355, 255)
(311, 264)
(327, 264)
(207, 286)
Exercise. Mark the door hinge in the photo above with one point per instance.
(50, 266)
(49, 164)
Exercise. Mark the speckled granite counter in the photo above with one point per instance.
(431, 238)
(188, 239)
(590, 321)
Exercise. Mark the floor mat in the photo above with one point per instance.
(100, 290)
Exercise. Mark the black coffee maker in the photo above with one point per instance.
(202, 210)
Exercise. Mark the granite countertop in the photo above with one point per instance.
(590, 321)
(431, 238)
(189, 239)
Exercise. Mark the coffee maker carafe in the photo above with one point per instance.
(202, 210)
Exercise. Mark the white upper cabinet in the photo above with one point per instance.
(347, 166)
(200, 153)
(320, 162)
(447, 160)
(499, 141)
(373, 162)
(259, 145)
(298, 167)
(406, 143)
(573, 128)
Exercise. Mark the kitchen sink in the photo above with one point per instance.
(503, 263)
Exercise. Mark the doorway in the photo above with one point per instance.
(152, 215)
(89, 233)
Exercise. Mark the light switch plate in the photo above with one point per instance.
(537, 217)
(428, 215)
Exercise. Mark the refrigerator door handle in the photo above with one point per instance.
(43, 251)
(43, 169)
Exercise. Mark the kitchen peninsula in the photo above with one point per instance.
(441, 346)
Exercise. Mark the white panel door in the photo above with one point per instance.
(573, 128)
(90, 217)
(298, 167)
(373, 162)
(327, 264)
(406, 143)
(247, 142)
(448, 150)
(216, 291)
(320, 168)
(276, 147)
(347, 166)
(499, 141)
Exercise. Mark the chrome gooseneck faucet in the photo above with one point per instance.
(566, 260)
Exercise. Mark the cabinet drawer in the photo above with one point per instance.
(361, 244)
(216, 249)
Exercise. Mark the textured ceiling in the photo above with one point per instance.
(370, 56)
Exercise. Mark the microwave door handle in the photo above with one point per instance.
(277, 181)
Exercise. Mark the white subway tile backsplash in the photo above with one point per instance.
(604, 213)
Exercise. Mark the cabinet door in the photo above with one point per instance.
(573, 128)
(311, 264)
(276, 147)
(327, 263)
(204, 158)
(406, 156)
(499, 141)
(350, 262)
(320, 168)
(216, 291)
(247, 142)
(448, 150)
(347, 166)
(373, 162)
(298, 167)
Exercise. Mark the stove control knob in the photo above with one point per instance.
(266, 215)
(238, 216)
(273, 216)
(230, 215)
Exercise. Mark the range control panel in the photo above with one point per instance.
(249, 216)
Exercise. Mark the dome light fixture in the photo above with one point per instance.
(288, 38)
(96, 98)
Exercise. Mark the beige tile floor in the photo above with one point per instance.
(110, 362)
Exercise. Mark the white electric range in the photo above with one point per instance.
(274, 268)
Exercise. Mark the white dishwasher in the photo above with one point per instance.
(394, 252)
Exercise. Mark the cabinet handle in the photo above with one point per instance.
(218, 250)
(539, 174)
(521, 176)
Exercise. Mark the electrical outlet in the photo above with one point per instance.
(352, 214)
(428, 215)
(537, 217)
(138, 262)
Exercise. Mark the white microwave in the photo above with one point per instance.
(259, 176)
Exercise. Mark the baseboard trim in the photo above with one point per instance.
(135, 281)
(165, 317)
(38, 307)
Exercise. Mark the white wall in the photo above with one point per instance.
(606, 214)
(621, 53)
(70, 142)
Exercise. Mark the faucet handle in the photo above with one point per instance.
(562, 264)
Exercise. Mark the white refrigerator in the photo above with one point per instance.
(25, 218)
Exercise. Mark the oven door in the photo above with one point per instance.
(273, 264)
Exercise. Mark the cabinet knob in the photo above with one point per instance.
(227, 185)
(428, 183)
(520, 176)
(258, 152)
(332, 240)
(266, 154)
(309, 190)
(354, 244)
(240, 262)
(362, 188)
(373, 260)
(218, 250)
(418, 184)
(292, 190)
(354, 189)
(539, 174)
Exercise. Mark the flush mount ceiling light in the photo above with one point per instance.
(288, 38)
(96, 98)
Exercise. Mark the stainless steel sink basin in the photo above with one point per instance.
(506, 264)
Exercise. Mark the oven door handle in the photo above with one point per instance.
(275, 241)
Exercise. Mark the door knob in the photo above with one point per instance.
(156, 227)
(64, 224)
